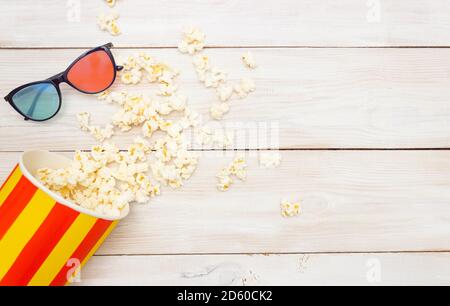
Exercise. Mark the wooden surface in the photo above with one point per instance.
(320, 98)
(230, 23)
(255, 270)
(365, 133)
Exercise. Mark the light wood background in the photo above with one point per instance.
(363, 108)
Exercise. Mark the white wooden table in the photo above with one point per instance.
(364, 126)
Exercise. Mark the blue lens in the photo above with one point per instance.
(38, 101)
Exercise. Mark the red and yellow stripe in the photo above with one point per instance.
(38, 236)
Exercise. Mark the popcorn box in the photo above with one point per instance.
(44, 238)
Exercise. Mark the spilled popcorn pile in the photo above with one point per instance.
(106, 179)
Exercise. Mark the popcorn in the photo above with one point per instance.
(137, 110)
(249, 60)
(103, 95)
(245, 87)
(192, 117)
(225, 182)
(193, 41)
(111, 3)
(101, 134)
(168, 175)
(142, 64)
(166, 148)
(104, 180)
(83, 120)
(225, 92)
(217, 138)
(248, 85)
(211, 77)
(149, 127)
(108, 22)
(113, 97)
(186, 162)
(269, 160)
(218, 110)
(289, 209)
(178, 103)
(201, 62)
(128, 63)
(133, 76)
(237, 168)
(175, 130)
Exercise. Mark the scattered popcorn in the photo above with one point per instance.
(217, 138)
(193, 41)
(225, 182)
(248, 85)
(245, 87)
(108, 22)
(106, 180)
(219, 110)
(289, 209)
(269, 160)
(103, 95)
(213, 77)
(249, 60)
(201, 62)
(178, 103)
(101, 134)
(174, 162)
(225, 92)
(237, 168)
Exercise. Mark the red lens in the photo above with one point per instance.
(93, 73)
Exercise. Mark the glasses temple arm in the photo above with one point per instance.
(33, 105)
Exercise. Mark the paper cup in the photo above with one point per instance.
(44, 238)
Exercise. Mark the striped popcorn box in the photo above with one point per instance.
(44, 238)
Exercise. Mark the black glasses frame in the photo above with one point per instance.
(56, 80)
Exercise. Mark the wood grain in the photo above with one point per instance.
(319, 88)
(265, 270)
(72, 23)
(319, 98)
(354, 201)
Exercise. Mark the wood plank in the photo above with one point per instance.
(55, 23)
(270, 270)
(354, 201)
(319, 98)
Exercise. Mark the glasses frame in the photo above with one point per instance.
(59, 78)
